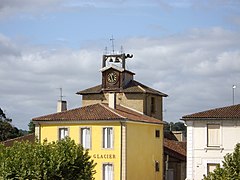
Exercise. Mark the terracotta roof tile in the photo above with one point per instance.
(93, 90)
(91, 112)
(137, 87)
(131, 87)
(136, 116)
(175, 148)
(229, 112)
(28, 137)
(98, 112)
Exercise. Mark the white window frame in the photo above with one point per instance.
(83, 136)
(211, 161)
(66, 132)
(108, 138)
(110, 175)
(218, 141)
(211, 164)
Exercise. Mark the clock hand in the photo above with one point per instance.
(111, 77)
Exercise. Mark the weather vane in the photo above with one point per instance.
(111, 39)
(115, 58)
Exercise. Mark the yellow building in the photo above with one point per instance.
(115, 124)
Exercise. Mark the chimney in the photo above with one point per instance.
(61, 105)
(112, 100)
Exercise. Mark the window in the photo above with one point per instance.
(63, 132)
(86, 138)
(213, 135)
(211, 167)
(157, 168)
(108, 137)
(157, 133)
(107, 172)
(153, 105)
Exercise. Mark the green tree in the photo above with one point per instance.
(178, 126)
(7, 131)
(31, 127)
(230, 169)
(58, 160)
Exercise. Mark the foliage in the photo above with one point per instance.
(31, 127)
(57, 160)
(178, 126)
(230, 169)
(7, 131)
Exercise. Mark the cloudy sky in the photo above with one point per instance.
(188, 49)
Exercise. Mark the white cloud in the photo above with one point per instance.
(30, 80)
(13, 7)
(196, 69)
(9, 8)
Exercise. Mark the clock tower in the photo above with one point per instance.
(114, 75)
(119, 87)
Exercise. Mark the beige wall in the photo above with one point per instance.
(140, 102)
(158, 106)
(93, 99)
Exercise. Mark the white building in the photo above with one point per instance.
(211, 135)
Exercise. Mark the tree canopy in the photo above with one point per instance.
(31, 127)
(7, 130)
(58, 160)
(230, 169)
(177, 126)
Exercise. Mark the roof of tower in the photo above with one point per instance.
(132, 87)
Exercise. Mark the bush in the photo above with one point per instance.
(57, 160)
(230, 169)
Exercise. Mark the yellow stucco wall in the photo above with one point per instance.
(98, 153)
(143, 149)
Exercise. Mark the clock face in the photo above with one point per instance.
(112, 77)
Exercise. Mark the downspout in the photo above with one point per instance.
(121, 151)
(40, 130)
(166, 171)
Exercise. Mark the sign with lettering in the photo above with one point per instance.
(104, 156)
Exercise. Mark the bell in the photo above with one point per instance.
(110, 60)
(117, 60)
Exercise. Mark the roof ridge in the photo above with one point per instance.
(231, 111)
(110, 109)
(141, 88)
(137, 113)
(17, 138)
(132, 109)
(68, 110)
